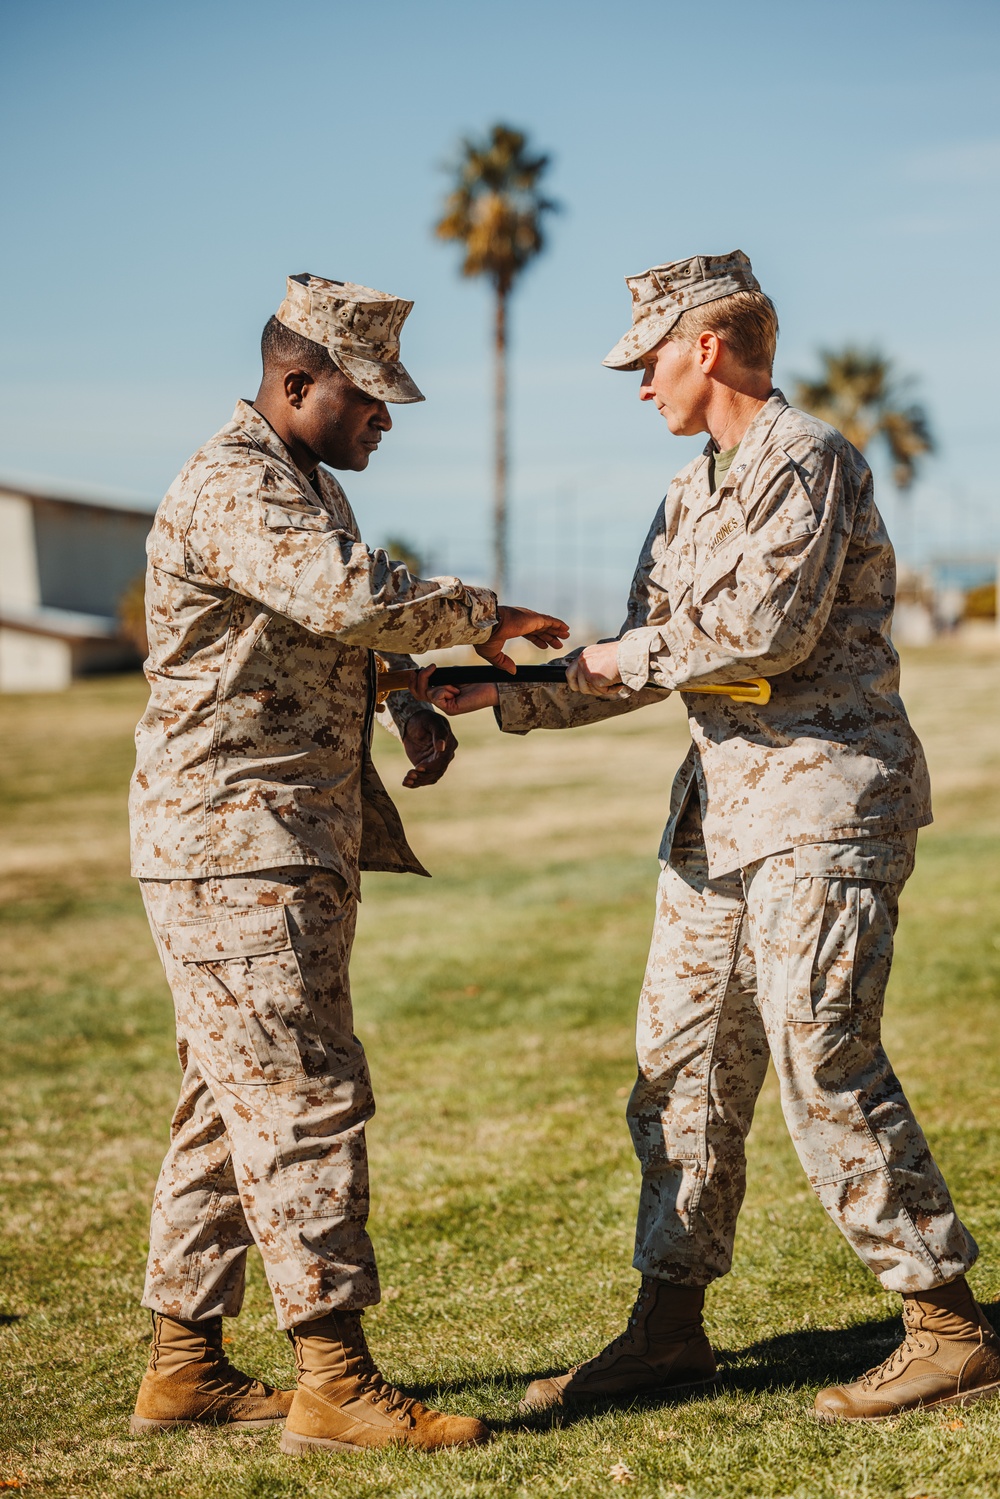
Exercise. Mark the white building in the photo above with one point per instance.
(66, 558)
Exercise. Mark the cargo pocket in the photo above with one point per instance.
(836, 900)
(249, 1012)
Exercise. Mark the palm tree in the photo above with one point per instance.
(859, 393)
(495, 211)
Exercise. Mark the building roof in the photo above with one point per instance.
(65, 624)
(94, 496)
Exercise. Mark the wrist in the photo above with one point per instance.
(423, 711)
(503, 614)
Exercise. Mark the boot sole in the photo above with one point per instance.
(617, 1397)
(986, 1392)
(294, 1445)
(140, 1425)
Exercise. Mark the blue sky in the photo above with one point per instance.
(166, 166)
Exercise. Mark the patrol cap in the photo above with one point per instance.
(661, 294)
(358, 327)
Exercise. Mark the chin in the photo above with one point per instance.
(352, 465)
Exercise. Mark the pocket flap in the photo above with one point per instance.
(295, 518)
(231, 934)
(721, 558)
(870, 859)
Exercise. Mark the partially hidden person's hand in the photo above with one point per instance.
(468, 699)
(420, 684)
(595, 670)
(430, 746)
(543, 630)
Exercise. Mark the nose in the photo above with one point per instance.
(646, 388)
(381, 418)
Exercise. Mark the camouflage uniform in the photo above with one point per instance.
(262, 606)
(790, 835)
(254, 805)
(267, 1143)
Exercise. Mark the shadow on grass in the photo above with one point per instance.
(817, 1355)
(790, 1361)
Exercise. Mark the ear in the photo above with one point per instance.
(708, 350)
(297, 384)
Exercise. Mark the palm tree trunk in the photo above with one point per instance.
(500, 449)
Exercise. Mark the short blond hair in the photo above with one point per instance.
(745, 320)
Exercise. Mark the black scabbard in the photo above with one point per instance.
(462, 676)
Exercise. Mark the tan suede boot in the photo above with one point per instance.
(343, 1403)
(663, 1346)
(950, 1356)
(190, 1382)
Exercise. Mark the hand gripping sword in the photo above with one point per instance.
(755, 690)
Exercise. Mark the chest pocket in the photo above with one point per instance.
(719, 554)
(286, 507)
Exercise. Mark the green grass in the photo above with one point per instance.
(496, 1003)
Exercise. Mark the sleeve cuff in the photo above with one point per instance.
(634, 650)
(401, 706)
(484, 611)
(515, 711)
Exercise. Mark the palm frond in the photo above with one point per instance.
(495, 208)
(859, 393)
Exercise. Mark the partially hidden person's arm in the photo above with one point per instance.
(398, 707)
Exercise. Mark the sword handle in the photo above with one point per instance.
(754, 690)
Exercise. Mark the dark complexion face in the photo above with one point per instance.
(323, 418)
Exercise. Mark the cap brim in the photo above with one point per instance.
(629, 352)
(388, 382)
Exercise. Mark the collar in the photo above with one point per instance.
(248, 421)
(753, 440)
(323, 488)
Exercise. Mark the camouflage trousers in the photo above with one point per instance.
(786, 959)
(267, 1143)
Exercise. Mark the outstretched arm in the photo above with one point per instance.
(520, 706)
(296, 559)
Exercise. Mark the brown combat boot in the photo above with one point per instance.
(343, 1403)
(950, 1356)
(663, 1346)
(190, 1382)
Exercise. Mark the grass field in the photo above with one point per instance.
(496, 1003)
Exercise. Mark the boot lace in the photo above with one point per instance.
(621, 1342)
(892, 1365)
(380, 1392)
